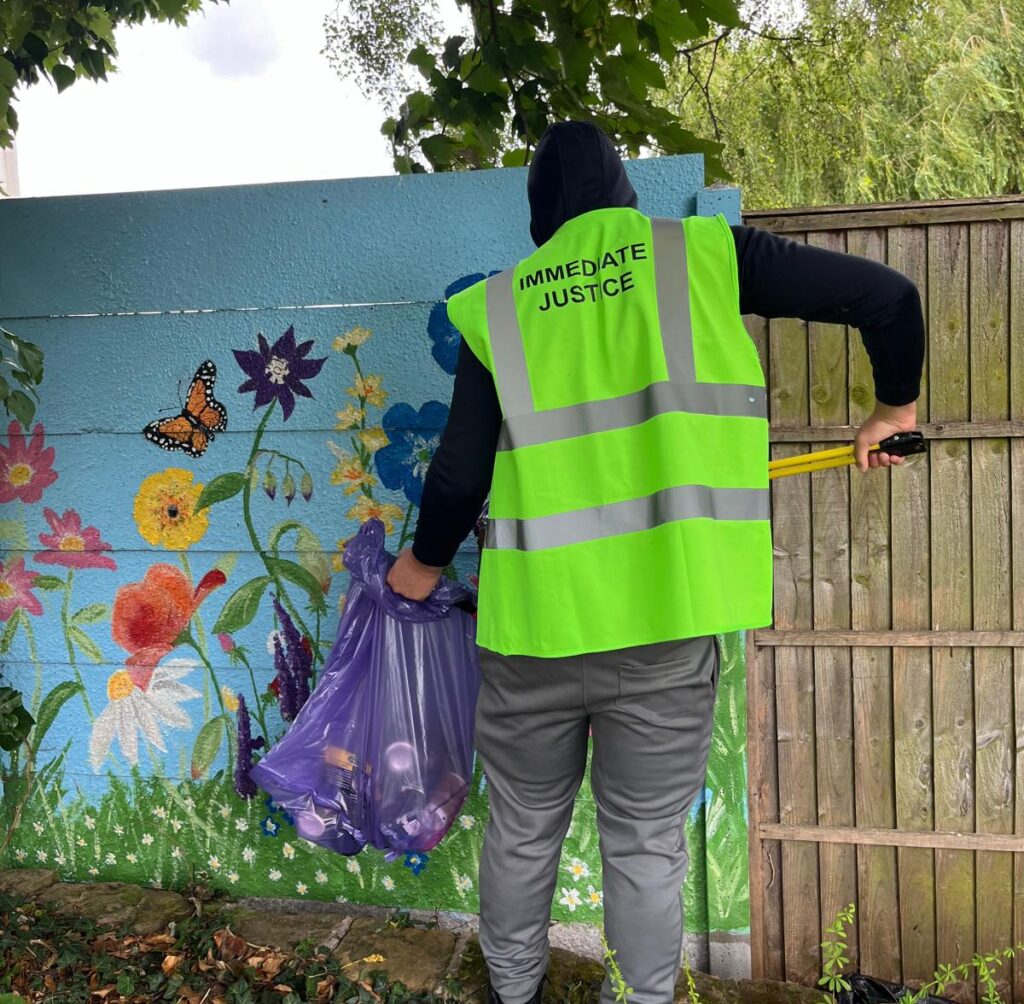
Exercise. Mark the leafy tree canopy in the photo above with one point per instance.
(63, 40)
(485, 97)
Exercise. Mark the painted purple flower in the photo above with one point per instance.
(293, 660)
(277, 371)
(412, 439)
(244, 784)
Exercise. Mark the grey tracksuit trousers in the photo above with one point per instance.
(650, 709)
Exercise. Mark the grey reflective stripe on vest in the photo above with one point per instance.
(507, 345)
(630, 516)
(673, 289)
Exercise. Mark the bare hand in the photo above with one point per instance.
(886, 420)
(411, 578)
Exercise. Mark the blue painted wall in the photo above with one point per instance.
(128, 295)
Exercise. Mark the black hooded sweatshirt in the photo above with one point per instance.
(576, 169)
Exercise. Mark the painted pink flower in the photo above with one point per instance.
(71, 545)
(26, 469)
(227, 643)
(16, 590)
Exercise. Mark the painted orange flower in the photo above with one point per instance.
(351, 474)
(368, 388)
(150, 615)
(367, 508)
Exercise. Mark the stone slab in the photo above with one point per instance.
(283, 930)
(415, 956)
(112, 904)
(26, 883)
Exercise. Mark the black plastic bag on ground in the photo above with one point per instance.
(871, 990)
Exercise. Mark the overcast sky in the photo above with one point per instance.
(241, 95)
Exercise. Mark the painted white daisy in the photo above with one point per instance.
(41, 855)
(215, 863)
(90, 823)
(388, 882)
(60, 858)
(578, 869)
(80, 842)
(93, 871)
(248, 855)
(110, 859)
(225, 811)
(176, 853)
(274, 874)
(20, 854)
(287, 850)
(353, 866)
(156, 884)
(132, 858)
(232, 876)
(321, 877)
(570, 898)
(189, 804)
(133, 710)
(176, 825)
(160, 812)
(467, 822)
(147, 838)
(241, 825)
(38, 827)
(340, 899)
(119, 829)
(301, 888)
(595, 897)
(463, 883)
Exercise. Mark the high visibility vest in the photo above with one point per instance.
(629, 502)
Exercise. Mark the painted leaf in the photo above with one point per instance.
(92, 614)
(10, 629)
(12, 531)
(274, 542)
(299, 576)
(312, 557)
(86, 644)
(226, 563)
(207, 746)
(222, 487)
(241, 606)
(52, 703)
(48, 582)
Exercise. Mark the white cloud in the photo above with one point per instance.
(242, 95)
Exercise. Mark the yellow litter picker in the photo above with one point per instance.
(902, 444)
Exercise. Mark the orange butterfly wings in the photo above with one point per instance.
(203, 416)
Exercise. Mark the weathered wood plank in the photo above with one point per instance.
(871, 604)
(904, 639)
(794, 670)
(990, 522)
(1017, 564)
(1004, 843)
(952, 695)
(807, 219)
(911, 668)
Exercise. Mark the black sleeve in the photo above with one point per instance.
(781, 277)
(459, 476)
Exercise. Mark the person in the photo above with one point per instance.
(609, 400)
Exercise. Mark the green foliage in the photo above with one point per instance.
(866, 101)
(63, 41)
(622, 991)
(20, 361)
(487, 95)
(15, 721)
(833, 949)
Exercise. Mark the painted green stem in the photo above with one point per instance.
(65, 619)
(258, 706)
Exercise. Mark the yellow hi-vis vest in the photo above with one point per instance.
(629, 502)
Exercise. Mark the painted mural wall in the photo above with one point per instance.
(283, 353)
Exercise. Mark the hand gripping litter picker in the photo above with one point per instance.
(902, 444)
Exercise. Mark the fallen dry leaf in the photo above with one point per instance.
(283, 988)
(230, 945)
(170, 963)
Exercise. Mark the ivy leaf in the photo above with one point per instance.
(241, 606)
(222, 487)
(207, 746)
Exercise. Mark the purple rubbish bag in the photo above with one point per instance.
(382, 752)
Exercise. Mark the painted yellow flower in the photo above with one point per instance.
(351, 338)
(374, 439)
(367, 508)
(350, 473)
(369, 389)
(165, 510)
(349, 417)
(338, 561)
(230, 699)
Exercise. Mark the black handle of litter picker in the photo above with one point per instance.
(903, 444)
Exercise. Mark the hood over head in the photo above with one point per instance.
(575, 169)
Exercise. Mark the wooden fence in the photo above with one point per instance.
(886, 724)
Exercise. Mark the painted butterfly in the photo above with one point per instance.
(203, 415)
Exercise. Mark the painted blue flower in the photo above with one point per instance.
(269, 827)
(414, 436)
(443, 333)
(416, 862)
